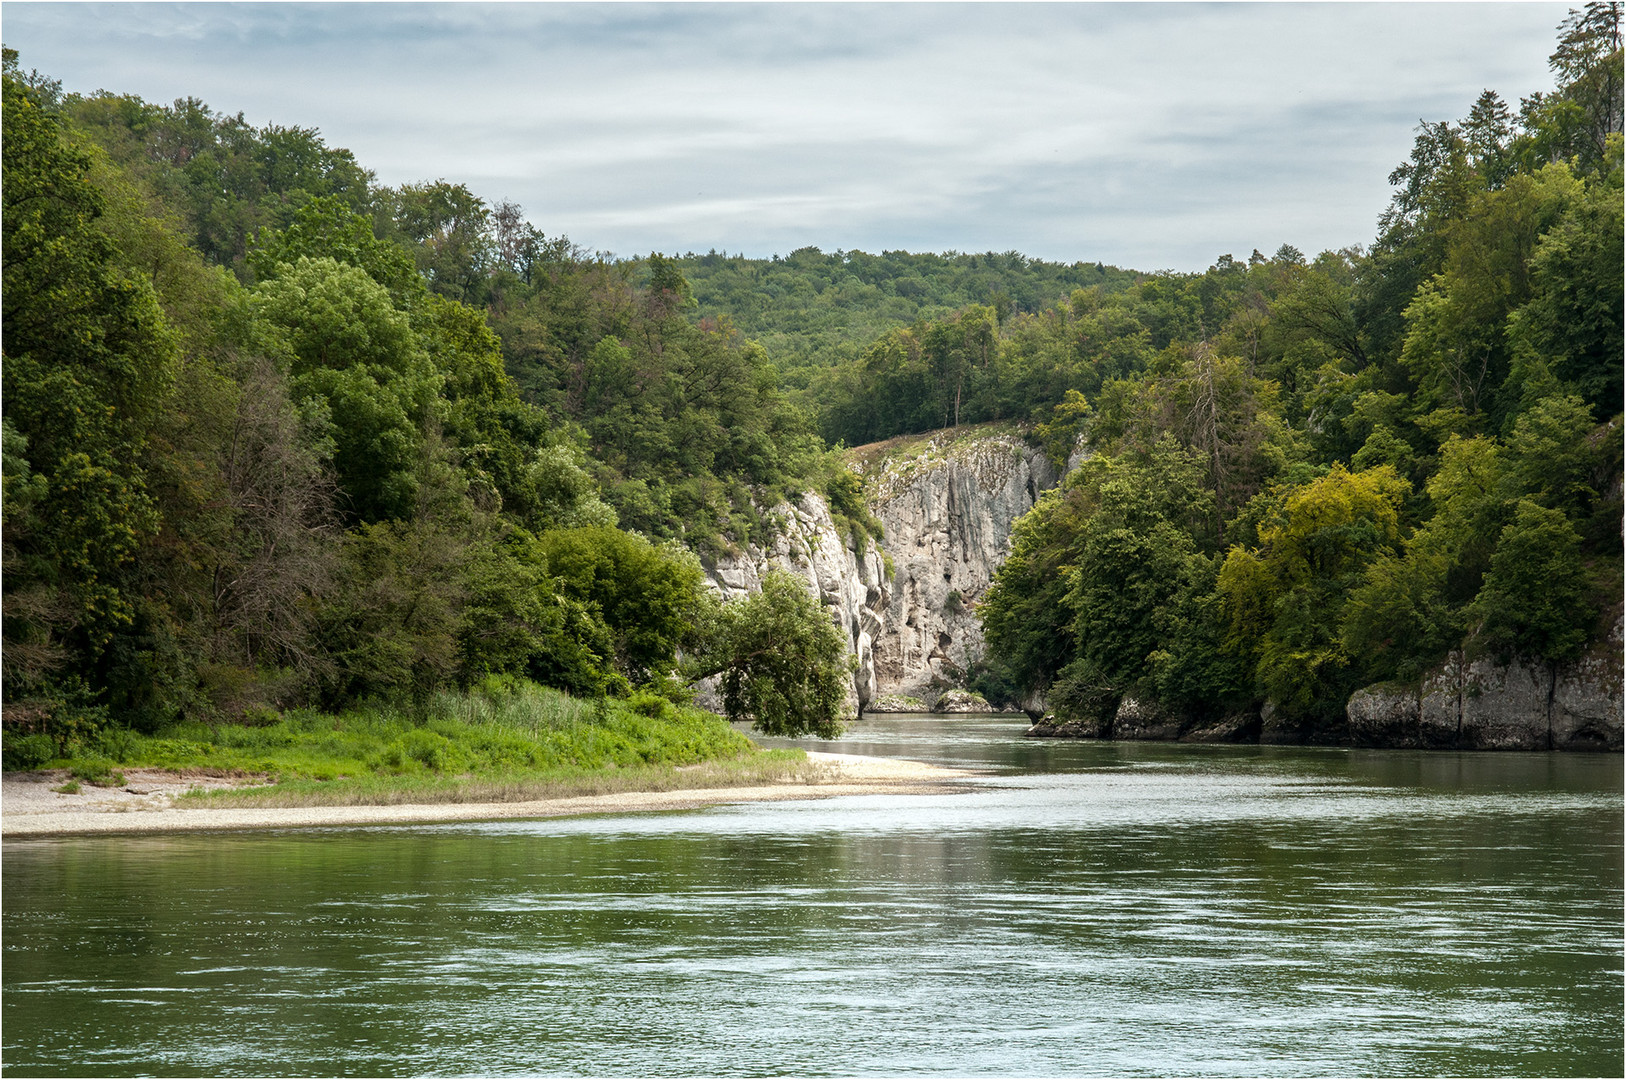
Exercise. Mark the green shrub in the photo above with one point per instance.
(28, 751)
(433, 751)
(74, 717)
(647, 703)
(117, 743)
(98, 771)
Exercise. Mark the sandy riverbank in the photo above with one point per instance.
(146, 803)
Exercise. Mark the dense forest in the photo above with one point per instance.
(276, 434)
(1308, 475)
(811, 310)
(265, 447)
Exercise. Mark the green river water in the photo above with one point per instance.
(1089, 909)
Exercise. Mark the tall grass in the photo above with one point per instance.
(505, 739)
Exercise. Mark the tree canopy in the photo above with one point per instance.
(274, 433)
(1313, 474)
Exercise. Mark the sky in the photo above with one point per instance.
(1153, 136)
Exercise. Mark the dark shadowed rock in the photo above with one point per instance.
(1051, 728)
(1279, 729)
(1138, 719)
(1236, 728)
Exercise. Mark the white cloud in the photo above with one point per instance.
(1147, 135)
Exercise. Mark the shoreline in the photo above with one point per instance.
(154, 812)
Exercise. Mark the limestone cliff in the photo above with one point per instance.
(947, 507)
(947, 503)
(852, 585)
(1482, 704)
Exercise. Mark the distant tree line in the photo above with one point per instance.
(812, 309)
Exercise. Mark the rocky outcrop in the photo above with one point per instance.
(946, 503)
(851, 585)
(947, 507)
(1236, 728)
(962, 701)
(1145, 721)
(1050, 728)
(1485, 705)
(896, 703)
(1279, 728)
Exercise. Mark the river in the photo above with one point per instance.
(1087, 909)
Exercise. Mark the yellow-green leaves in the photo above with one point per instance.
(1284, 600)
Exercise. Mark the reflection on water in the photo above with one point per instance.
(1086, 909)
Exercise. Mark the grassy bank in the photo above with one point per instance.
(506, 741)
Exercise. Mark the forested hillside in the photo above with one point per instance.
(811, 309)
(262, 450)
(1313, 474)
(277, 434)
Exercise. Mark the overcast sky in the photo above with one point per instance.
(1152, 136)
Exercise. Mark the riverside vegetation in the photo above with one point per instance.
(286, 448)
(261, 457)
(1314, 474)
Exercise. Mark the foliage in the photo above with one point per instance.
(1399, 449)
(639, 602)
(684, 425)
(327, 227)
(1104, 591)
(783, 663)
(1023, 618)
(392, 623)
(23, 752)
(1534, 601)
(1285, 599)
(811, 309)
(224, 178)
(89, 362)
(274, 434)
(356, 358)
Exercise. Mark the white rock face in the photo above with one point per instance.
(851, 585)
(947, 511)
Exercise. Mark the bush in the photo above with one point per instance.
(1533, 602)
(1082, 693)
(24, 752)
(432, 750)
(118, 744)
(639, 601)
(784, 665)
(97, 771)
(647, 703)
